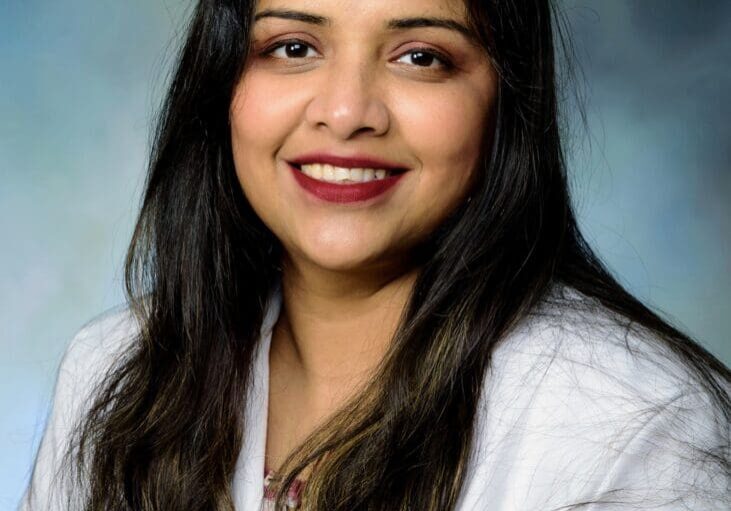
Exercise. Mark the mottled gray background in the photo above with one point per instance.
(80, 80)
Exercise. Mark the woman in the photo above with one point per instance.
(356, 271)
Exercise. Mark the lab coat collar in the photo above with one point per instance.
(248, 480)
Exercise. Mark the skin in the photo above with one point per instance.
(356, 87)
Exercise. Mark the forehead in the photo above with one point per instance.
(343, 11)
(365, 17)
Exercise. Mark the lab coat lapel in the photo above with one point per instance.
(248, 480)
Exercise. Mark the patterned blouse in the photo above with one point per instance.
(293, 494)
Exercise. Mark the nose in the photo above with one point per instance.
(347, 102)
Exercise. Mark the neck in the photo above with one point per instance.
(335, 328)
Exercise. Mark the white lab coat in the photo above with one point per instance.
(575, 408)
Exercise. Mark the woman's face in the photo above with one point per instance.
(359, 85)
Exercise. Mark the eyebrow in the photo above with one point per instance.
(393, 24)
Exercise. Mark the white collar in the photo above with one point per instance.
(248, 480)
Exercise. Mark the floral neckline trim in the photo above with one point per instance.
(293, 494)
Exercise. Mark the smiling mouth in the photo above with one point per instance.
(342, 175)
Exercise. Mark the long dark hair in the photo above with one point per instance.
(166, 427)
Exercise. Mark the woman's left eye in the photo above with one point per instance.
(423, 57)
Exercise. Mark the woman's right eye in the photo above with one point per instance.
(291, 49)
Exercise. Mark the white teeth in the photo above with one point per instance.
(342, 174)
(325, 172)
(328, 173)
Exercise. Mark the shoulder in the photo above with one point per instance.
(573, 342)
(98, 344)
(97, 348)
(580, 404)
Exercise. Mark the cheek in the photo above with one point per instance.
(255, 130)
(262, 113)
(445, 127)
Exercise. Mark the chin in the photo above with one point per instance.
(340, 248)
(341, 262)
(337, 257)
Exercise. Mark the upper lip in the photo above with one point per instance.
(353, 161)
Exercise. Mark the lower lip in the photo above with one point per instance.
(344, 193)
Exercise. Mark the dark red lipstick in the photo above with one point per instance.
(344, 192)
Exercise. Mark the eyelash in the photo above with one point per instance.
(446, 63)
